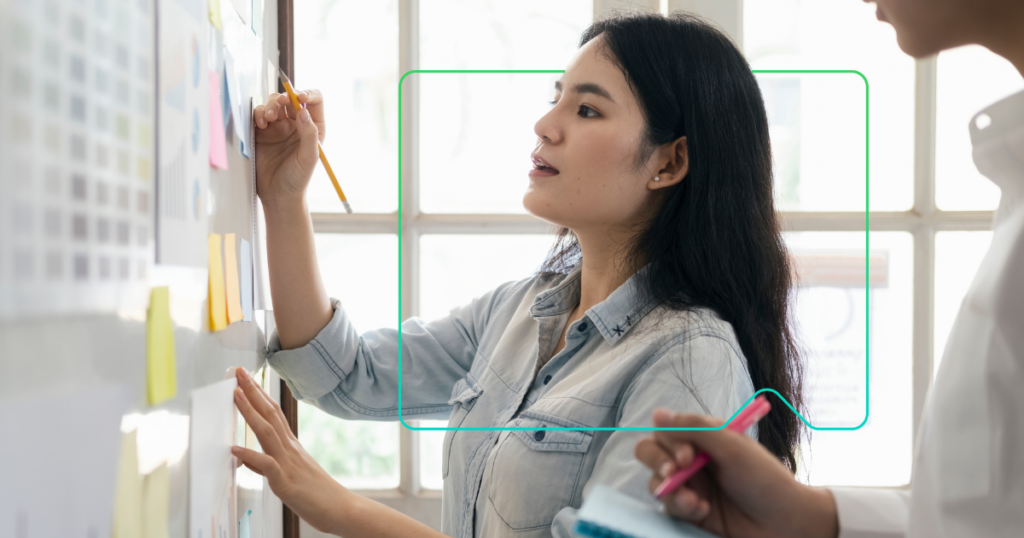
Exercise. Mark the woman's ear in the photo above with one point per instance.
(674, 161)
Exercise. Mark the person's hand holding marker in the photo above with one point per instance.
(744, 491)
(287, 147)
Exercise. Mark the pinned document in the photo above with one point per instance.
(217, 300)
(161, 375)
(245, 281)
(156, 498)
(231, 272)
(218, 148)
(243, 525)
(211, 464)
(128, 498)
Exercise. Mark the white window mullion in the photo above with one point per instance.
(408, 50)
(924, 235)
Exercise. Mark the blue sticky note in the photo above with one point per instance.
(245, 279)
(243, 525)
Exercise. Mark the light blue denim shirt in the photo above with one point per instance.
(479, 365)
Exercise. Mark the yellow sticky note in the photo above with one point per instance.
(215, 14)
(128, 498)
(156, 497)
(231, 271)
(218, 308)
(161, 376)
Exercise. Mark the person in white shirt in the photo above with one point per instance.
(968, 474)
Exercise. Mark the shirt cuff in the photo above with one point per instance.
(871, 512)
(311, 371)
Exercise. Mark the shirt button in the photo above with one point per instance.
(539, 435)
(582, 327)
(547, 379)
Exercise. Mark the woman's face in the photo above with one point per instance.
(591, 138)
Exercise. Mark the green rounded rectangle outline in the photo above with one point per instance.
(867, 233)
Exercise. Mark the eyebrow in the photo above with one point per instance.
(587, 87)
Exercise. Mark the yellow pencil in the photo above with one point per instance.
(323, 158)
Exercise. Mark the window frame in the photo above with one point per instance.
(923, 220)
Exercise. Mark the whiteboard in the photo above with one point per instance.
(66, 334)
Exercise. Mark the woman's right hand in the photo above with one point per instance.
(745, 491)
(286, 146)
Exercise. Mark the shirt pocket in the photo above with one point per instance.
(536, 472)
(464, 394)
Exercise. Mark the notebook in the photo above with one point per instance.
(609, 514)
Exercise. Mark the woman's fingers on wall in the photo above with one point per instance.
(266, 433)
(255, 461)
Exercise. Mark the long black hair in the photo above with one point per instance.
(715, 240)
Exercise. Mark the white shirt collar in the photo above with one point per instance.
(999, 146)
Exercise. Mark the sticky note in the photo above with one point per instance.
(215, 14)
(225, 96)
(217, 299)
(231, 272)
(243, 525)
(245, 280)
(218, 148)
(161, 375)
(127, 521)
(233, 83)
(156, 498)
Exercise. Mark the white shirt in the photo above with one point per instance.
(968, 477)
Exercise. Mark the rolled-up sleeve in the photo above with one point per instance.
(702, 375)
(871, 512)
(355, 376)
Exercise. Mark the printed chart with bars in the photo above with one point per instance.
(77, 155)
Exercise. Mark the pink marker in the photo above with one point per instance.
(745, 419)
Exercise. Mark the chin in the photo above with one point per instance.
(540, 208)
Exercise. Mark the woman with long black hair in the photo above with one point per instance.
(669, 285)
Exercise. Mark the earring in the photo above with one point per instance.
(656, 178)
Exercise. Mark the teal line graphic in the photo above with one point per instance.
(867, 276)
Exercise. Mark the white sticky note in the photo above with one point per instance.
(211, 464)
(245, 278)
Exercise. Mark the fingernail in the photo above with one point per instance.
(666, 469)
(304, 116)
(682, 453)
(235, 450)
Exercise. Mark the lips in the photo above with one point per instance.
(541, 164)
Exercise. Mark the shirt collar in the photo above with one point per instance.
(613, 317)
(999, 145)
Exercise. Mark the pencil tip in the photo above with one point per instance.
(348, 208)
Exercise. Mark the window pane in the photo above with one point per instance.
(459, 268)
(431, 452)
(957, 258)
(830, 312)
(817, 128)
(361, 455)
(476, 130)
(969, 79)
(824, 34)
(456, 268)
(349, 51)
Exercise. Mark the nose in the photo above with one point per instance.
(547, 128)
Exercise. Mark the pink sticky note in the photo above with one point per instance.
(218, 148)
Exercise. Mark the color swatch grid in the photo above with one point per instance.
(77, 155)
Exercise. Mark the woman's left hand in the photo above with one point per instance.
(293, 475)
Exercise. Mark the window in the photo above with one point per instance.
(464, 156)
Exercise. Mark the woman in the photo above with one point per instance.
(968, 478)
(670, 283)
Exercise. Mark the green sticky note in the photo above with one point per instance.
(161, 376)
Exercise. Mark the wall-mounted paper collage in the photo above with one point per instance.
(77, 156)
(184, 158)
